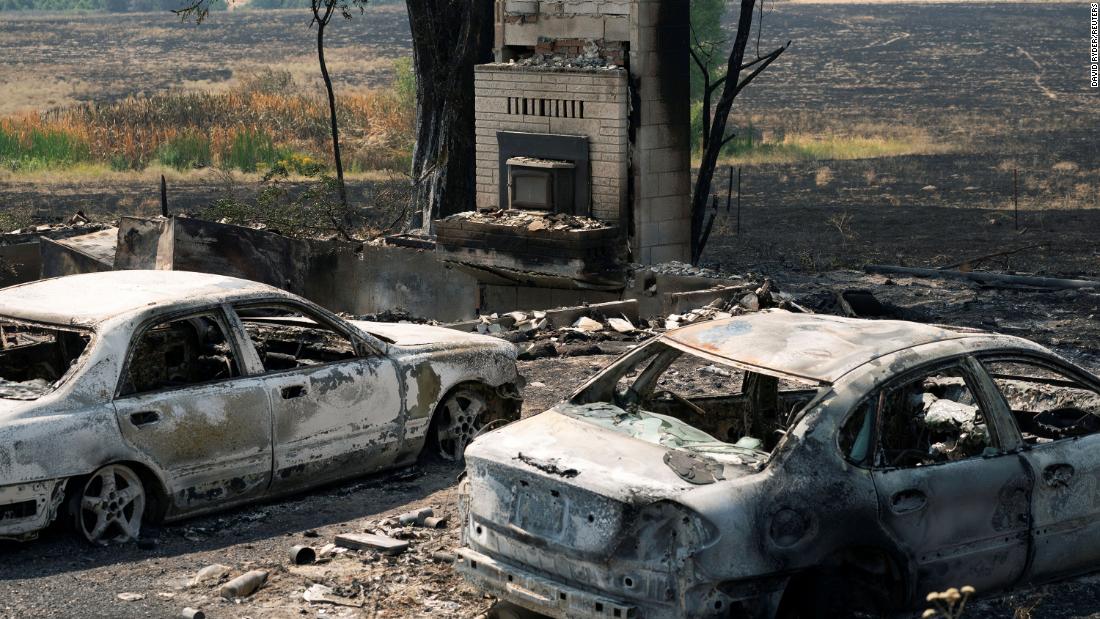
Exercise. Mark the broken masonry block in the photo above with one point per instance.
(370, 541)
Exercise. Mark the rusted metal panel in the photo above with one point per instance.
(20, 263)
(821, 348)
(236, 251)
(342, 276)
(373, 279)
(139, 241)
(88, 253)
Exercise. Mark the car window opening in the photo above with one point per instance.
(679, 400)
(35, 358)
(1047, 405)
(931, 419)
(178, 353)
(286, 338)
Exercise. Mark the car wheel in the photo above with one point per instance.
(458, 420)
(109, 505)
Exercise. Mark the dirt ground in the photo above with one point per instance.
(57, 576)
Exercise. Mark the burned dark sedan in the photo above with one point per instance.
(137, 395)
(783, 464)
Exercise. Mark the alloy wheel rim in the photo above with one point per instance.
(460, 423)
(111, 505)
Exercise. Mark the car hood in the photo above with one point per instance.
(409, 334)
(561, 445)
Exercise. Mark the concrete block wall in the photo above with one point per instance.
(555, 97)
(522, 22)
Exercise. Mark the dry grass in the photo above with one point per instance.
(812, 136)
(267, 119)
(794, 147)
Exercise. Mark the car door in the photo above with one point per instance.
(1057, 410)
(949, 489)
(184, 401)
(335, 400)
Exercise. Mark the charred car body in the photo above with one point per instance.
(163, 394)
(791, 465)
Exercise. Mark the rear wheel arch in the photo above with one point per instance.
(158, 499)
(865, 574)
(498, 406)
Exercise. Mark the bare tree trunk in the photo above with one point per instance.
(449, 38)
(716, 139)
(331, 110)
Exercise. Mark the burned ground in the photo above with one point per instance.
(957, 97)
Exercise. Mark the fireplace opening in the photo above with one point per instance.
(541, 184)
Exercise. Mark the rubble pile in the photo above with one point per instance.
(531, 220)
(77, 225)
(399, 315)
(589, 58)
(681, 269)
(597, 330)
(369, 567)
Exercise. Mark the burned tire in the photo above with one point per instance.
(457, 420)
(108, 506)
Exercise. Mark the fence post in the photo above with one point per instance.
(1016, 197)
(738, 199)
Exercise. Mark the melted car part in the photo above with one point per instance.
(693, 468)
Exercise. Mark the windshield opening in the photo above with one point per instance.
(683, 401)
(34, 358)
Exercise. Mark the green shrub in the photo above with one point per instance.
(252, 150)
(404, 82)
(186, 151)
(41, 148)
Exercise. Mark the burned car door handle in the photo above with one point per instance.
(293, 391)
(908, 501)
(144, 418)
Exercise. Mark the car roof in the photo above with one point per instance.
(809, 346)
(93, 298)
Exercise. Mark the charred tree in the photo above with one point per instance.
(714, 120)
(322, 15)
(449, 38)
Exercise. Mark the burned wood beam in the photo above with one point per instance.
(987, 279)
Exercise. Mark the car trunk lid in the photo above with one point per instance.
(555, 481)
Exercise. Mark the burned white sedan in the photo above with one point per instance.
(791, 465)
(155, 395)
